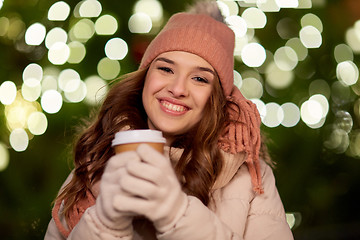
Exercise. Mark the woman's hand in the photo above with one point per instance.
(108, 213)
(153, 189)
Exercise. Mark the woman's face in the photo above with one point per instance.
(177, 87)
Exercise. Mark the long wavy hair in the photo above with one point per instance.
(198, 166)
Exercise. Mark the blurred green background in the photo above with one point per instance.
(318, 167)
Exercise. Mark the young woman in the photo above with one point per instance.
(209, 184)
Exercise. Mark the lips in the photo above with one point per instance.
(173, 108)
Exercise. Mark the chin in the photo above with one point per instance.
(171, 131)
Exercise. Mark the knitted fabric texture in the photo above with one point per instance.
(75, 214)
(214, 41)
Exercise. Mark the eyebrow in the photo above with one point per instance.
(165, 60)
(205, 69)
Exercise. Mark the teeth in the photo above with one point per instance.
(173, 107)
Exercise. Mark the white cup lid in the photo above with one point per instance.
(135, 136)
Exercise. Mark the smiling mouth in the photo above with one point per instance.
(173, 107)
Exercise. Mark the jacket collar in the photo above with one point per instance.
(231, 164)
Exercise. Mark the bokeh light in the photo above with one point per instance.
(312, 113)
(285, 58)
(31, 93)
(303, 4)
(49, 83)
(352, 37)
(37, 123)
(7, 92)
(59, 11)
(323, 101)
(253, 55)
(293, 219)
(311, 19)
(55, 35)
(336, 139)
(4, 26)
(69, 80)
(96, 90)
(254, 17)
(32, 74)
(291, 114)
(108, 69)
(51, 101)
(19, 139)
(347, 73)
(251, 88)
(106, 25)
(35, 34)
(300, 50)
(18, 112)
(231, 7)
(287, 3)
(278, 78)
(140, 23)
(267, 6)
(116, 49)
(343, 121)
(342, 53)
(90, 8)
(310, 37)
(16, 27)
(59, 53)
(77, 52)
(78, 94)
(151, 8)
(82, 31)
(274, 115)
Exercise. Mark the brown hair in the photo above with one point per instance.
(122, 107)
(197, 168)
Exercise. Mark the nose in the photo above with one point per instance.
(178, 87)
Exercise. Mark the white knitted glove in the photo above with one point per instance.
(107, 212)
(155, 189)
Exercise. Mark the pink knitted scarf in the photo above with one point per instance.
(75, 214)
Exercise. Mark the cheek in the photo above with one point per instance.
(148, 86)
(203, 98)
(151, 87)
(146, 94)
(152, 84)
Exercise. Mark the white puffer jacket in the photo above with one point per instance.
(235, 211)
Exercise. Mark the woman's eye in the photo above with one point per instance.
(200, 79)
(165, 69)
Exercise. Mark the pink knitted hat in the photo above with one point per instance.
(214, 41)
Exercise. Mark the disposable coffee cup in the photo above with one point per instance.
(129, 140)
